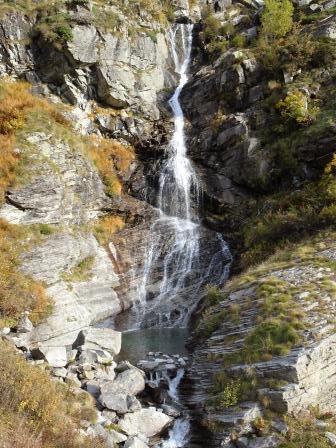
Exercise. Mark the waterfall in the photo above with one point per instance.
(174, 241)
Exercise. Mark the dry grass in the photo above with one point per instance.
(110, 158)
(106, 227)
(16, 104)
(44, 416)
(17, 291)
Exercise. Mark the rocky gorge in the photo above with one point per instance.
(148, 151)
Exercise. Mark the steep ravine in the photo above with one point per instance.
(137, 153)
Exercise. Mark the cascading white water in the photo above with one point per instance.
(174, 243)
(177, 182)
(178, 177)
(179, 434)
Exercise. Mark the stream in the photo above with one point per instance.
(175, 244)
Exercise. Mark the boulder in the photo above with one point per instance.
(124, 365)
(83, 45)
(131, 381)
(170, 410)
(72, 379)
(60, 372)
(94, 356)
(135, 442)
(93, 388)
(118, 395)
(117, 437)
(108, 415)
(25, 325)
(114, 400)
(99, 338)
(149, 422)
(55, 356)
(110, 437)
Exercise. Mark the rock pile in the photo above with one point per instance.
(134, 404)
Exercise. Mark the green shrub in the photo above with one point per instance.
(46, 229)
(214, 295)
(272, 337)
(277, 18)
(295, 107)
(324, 53)
(228, 390)
(239, 41)
(290, 53)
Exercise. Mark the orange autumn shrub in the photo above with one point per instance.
(110, 158)
(44, 412)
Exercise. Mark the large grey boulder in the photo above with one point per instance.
(148, 422)
(118, 395)
(83, 46)
(131, 380)
(110, 437)
(55, 356)
(96, 338)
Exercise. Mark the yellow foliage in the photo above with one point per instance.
(16, 102)
(17, 291)
(8, 163)
(45, 412)
(110, 157)
(106, 227)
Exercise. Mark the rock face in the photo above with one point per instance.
(15, 57)
(64, 188)
(114, 68)
(77, 304)
(224, 144)
(289, 384)
(225, 105)
(131, 74)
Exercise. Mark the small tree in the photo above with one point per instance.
(277, 18)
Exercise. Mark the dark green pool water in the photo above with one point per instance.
(136, 344)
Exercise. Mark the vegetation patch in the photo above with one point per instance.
(82, 272)
(45, 416)
(18, 292)
(106, 227)
(110, 157)
(17, 108)
(304, 433)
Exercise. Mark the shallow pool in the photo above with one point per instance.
(136, 344)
